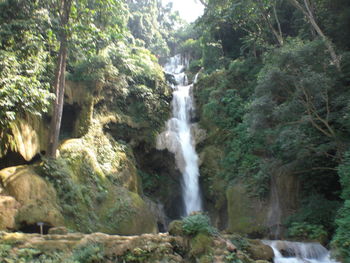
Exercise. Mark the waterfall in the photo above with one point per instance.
(178, 137)
(297, 252)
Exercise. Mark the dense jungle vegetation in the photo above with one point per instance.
(273, 95)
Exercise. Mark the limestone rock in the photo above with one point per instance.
(198, 134)
(37, 197)
(147, 248)
(8, 210)
(246, 214)
(58, 231)
(29, 136)
(140, 221)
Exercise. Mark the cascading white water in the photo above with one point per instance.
(297, 252)
(178, 137)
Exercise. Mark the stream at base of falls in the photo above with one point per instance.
(178, 137)
(297, 252)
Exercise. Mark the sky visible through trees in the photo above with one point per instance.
(189, 10)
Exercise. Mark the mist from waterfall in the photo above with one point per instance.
(178, 137)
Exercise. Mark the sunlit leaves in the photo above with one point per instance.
(21, 89)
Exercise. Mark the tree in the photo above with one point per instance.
(59, 82)
(25, 65)
(309, 14)
(100, 22)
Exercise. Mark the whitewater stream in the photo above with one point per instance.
(297, 252)
(178, 137)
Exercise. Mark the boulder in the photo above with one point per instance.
(201, 245)
(175, 228)
(8, 210)
(37, 198)
(259, 251)
(125, 213)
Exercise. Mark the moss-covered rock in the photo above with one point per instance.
(176, 228)
(98, 186)
(125, 213)
(247, 215)
(97, 247)
(37, 198)
(257, 250)
(213, 185)
(201, 245)
(96, 153)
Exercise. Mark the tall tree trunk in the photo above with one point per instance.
(278, 34)
(310, 16)
(277, 21)
(59, 82)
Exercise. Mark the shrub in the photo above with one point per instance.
(198, 223)
(91, 253)
(341, 239)
(307, 231)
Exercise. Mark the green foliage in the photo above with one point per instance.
(271, 98)
(305, 231)
(21, 89)
(341, 239)
(136, 256)
(240, 242)
(213, 56)
(310, 214)
(90, 253)
(191, 48)
(29, 255)
(232, 258)
(25, 61)
(77, 199)
(150, 182)
(296, 110)
(95, 25)
(198, 223)
(4, 250)
(93, 70)
(153, 24)
(344, 175)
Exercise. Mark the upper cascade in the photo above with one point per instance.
(178, 137)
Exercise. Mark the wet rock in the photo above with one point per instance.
(259, 251)
(247, 215)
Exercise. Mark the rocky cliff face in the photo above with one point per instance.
(97, 183)
(232, 200)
